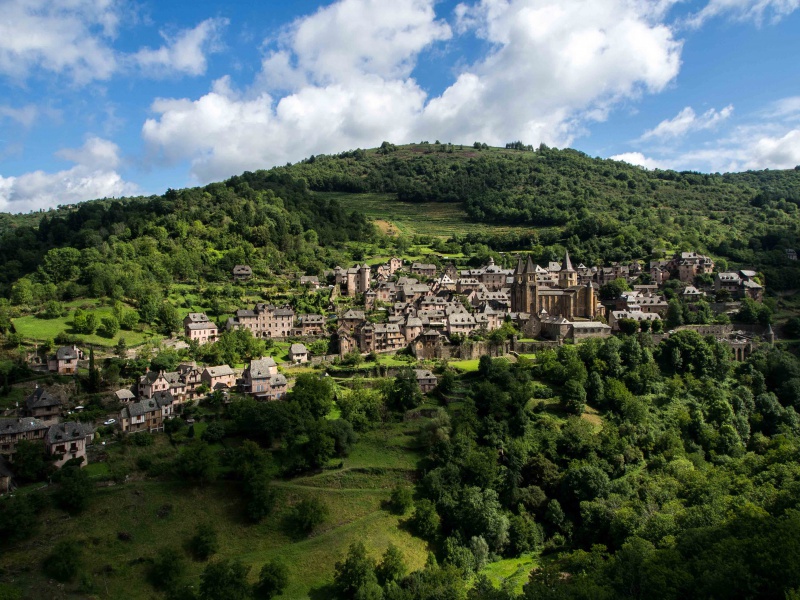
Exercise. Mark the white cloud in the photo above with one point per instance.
(61, 37)
(353, 38)
(687, 121)
(24, 115)
(94, 176)
(184, 52)
(75, 38)
(347, 72)
(785, 108)
(757, 11)
(639, 159)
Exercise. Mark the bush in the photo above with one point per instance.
(425, 520)
(308, 514)
(64, 562)
(75, 490)
(272, 580)
(214, 433)
(167, 568)
(205, 542)
(401, 500)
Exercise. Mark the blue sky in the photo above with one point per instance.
(108, 97)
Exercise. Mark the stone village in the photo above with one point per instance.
(429, 312)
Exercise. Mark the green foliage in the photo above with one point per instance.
(313, 394)
(196, 463)
(425, 520)
(225, 580)
(404, 393)
(272, 580)
(109, 326)
(64, 561)
(74, 491)
(392, 567)
(29, 461)
(401, 499)
(167, 568)
(308, 514)
(574, 397)
(204, 542)
(355, 572)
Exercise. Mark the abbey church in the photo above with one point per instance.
(554, 291)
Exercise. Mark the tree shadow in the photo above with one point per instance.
(323, 592)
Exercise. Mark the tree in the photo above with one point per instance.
(29, 461)
(574, 397)
(225, 580)
(613, 289)
(356, 571)
(109, 327)
(64, 561)
(170, 320)
(313, 394)
(260, 496)
(167, 568)
(401, 499)
(308, 514)
(75, 490)
(205, 542)
(121, 349)
(272, 580)
(425, 520)
(404, 393)
(196, 462)
(392, 566)
(628, 326)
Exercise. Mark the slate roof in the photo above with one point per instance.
(20, 425)
(298, 349)
(40, 399)
(260, 368)
(66, 353)
(220, 371)
(68, 432)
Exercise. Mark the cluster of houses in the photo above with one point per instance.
(40, 421)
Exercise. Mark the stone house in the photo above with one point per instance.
(67, 441)
(298, 354)
(148, 414)
(242, 272)
(310, 281)
(309, 326)
(199, 328)
(426, 380)
(264, 321)
(65, 360)
(219, 377)
(423, 269)
(351, 320)
(13, 431)
(262, 380)
(41, 405)
(460, 323)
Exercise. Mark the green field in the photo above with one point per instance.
(431, 218)
(163, 513)
(36, 329)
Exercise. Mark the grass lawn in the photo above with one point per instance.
(33, 328)
(440, 219)
(157, 513)
(465, 366)
(512, 570)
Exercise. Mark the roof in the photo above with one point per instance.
(201, 326)
(219, 371)
(354, 314)
(283, 312)
(424, 374)
(197, 317)
(40, 399)
(298, 349)
(67, 432)
(20, 425)
(124, 394)
(67, 353)
(262, 367)
(242, 270)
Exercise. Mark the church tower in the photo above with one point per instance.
(568, 276)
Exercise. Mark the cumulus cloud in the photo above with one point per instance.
(756, 11)
(184, 52)
(93, 176)
(687, 121)
(638, 159)
(343, 77)
(76, 38)
(61, 37)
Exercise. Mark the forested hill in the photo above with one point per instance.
(133, 247)
(602, 210)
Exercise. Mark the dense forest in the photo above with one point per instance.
(602, 210)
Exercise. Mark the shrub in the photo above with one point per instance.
(64, 562)
(204, 543)
(272, 580)
(308, 514)
(401, 500)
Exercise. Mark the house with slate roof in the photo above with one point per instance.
(262, 380)
(65, 360)
(148, 414)
(426, 380)
(218, 378)
(242, 272)
(67, 441)
(298, 353)
(41, 405)
(13, 431)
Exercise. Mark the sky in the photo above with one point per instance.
(110, 98)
